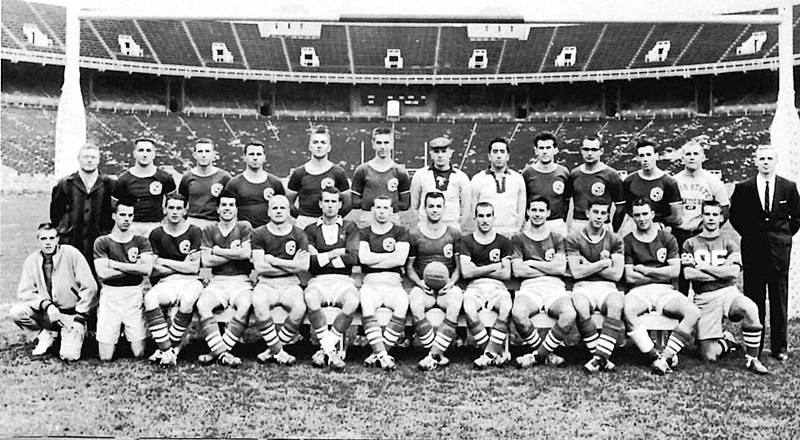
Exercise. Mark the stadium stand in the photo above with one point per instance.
(619, 43)
(417, 47)
(170, 41)
(527, 55)
(455, 49)
(331, 48)
(262, 53)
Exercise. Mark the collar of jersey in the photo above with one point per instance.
(339, 221)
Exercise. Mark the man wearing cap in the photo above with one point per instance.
(441, 176)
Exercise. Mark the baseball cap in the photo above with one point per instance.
(439, 142)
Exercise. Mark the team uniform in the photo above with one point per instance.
(656, 253)
(554, 186)
(661, 192)
(503, 192)
(202, 195)
(252, 198)
(146, 194)
(604, 183)
(594, 287)
(369, 183)
(309, 191)
(453, 183)
(121, 299)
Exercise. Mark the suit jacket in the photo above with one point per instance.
(766, 236)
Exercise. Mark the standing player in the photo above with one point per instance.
(307, 182)
(202, 185)
(442, 177)
(547, 178)
(383, 249)
(434, 242)
(542, 267)
(696, 186)
(485, 257)
(144, 186)
(712, 262)
(501, 187)
(280, 252)
(593, 179)
(652, 263)
(225, 249)
(254, 188)
(333, 245)
(596, 260)
(381, 176)
(121, 260)
(176, 266)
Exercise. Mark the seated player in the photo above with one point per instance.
(712, 263)
(225, 249)
(596, 259)
(121, 261)
(652, 264)
(434, 242)
(383, 249)
(280, 252)
(333, 245)
(542, 265)
(176, 266)
(485, 258)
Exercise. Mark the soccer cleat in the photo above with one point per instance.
(229, 360)
(673, 361)
(443, 361)
(156, 356)
(371, 360)
(387, 362)
(502, 359)
(265, 356)
(527, 361)
(318, 359)
(205, 359)
(403, 342)
(336, 362)
(733, 345)
(555, 360)
(361, 341)
(486, 359)
(46, 340)
(427, 363)
(660, 366)
(609, 366)
(595, 365)
(755, 365)
(284, 358)
(169, 358)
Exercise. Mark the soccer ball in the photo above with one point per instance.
(435, 275)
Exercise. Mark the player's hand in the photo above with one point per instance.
(426, 289)
(54, 315)
(300, 254)
(112, 265)
(215, 250)
(339, 252)
(641, 268)
(687, 259)
(444, 290)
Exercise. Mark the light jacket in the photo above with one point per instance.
(73, 285)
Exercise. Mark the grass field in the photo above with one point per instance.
(130, 398)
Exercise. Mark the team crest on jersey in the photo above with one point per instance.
(558, 187)
(656, 194)
(326, 183)
(133, 254)
(661, 255)
(494, 255)
(605, 254)
(155, 188)
(549, 254)
(268, 193)
(216, 189)
(236, 244)
(447, 250)
(290, 247)
(185, 246)
(388, 244)
(392, 184)
(598, 189)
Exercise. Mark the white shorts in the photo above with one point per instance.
(331, 288)
(595, 291)
(487, 290)
(227, 288)
(120, 307)
(176, 286)
(200, 222)
(378, 286)
(543, 290)
(655, 296)
(714, 306)
(143, 228)
(558, 225)
(283, 287)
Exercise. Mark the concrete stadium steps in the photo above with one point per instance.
(170, 42)
(331, 48)
(15, 15)
(455, 49)
(262, 53)
(417, 47)
(583, 37)
(526, 56)
(618, 46)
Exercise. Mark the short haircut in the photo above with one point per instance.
(434, 195)
(692, 143)
(641, 201)
(256, 143)
(645, 143)
(540, 199)
(144, 139)
(711, 203)
(545, 136)
(319, 129)
(227, 194)
(766, 147)
(119, 203)
(332, 190)
(598, 201)
(499, 140)
(175, 196)
(381, 130)
(46, 226)
(88, 146)
(204, 141)
(483, 205)
(381, 197)
(593, 137)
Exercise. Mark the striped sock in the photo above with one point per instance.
(588, 332)
(373, 332)
(478, 332)
(158, 327)
(612, 329)
(318, 323)
(270, 336)
(234, 330)
(752, 340)
(341, 324)
(554, 339)
(445, 335)
(178, 327)
(210, 330)
(498, 337)
(425, 332)
(289, 330)
(393, 331)
(677, 340)
(529, 334)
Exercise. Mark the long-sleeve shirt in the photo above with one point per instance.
(73, 285)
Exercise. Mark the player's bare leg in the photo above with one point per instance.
(264, 299)
(371, 299)
(219, 344)
(524, 307)
(563, 311)
(745, 309)
(292, 300)
(472, 305)
(586, 326)
(683, 309)
(451, 303)
(495, 353)
(397, 300)
(420, 302)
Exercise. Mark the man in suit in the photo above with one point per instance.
(765, 210)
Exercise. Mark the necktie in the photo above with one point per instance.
(766, 197)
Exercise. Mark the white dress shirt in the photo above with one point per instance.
(760, 182)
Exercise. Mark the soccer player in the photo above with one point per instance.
(121, 260)
(547, 178)
(57, 291)
(542, 266)
(696, 186)
(712, 263)
(254, 187)
(202, 185)
(280, 252)
(653, 184)
(434, 242)
(307, 182)
(501, 187)
(596, 259)
(383, 249)
(144, 186)
(381, 176)
(485, 257)
(176, 266)
(442, 177)
(652, 263)
(593, 179)
(225, 248)
(333, 245)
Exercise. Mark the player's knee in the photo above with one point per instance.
(297, 306)
(205, 306)
(567, 315)
(520, 313)
(151, 301)
(313, 299)
(350, 302)
(188, 300)
(582, 307)
(18, 313)
(614, 305)
(504, 305)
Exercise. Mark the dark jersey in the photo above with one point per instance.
(661, 192)
(309, 187)
(252, 199)
(239, 235)
(383, 244)
(554, 186)
(578, 244)
(346, 238)
(657, 253)
(714, 251)
(583, 186)
(202, 193)
(146, 194)
(539, 250)
(176, 247)
(369, 184)
(284, 247)
(443, 249)
(486, 254)
(128, 252)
